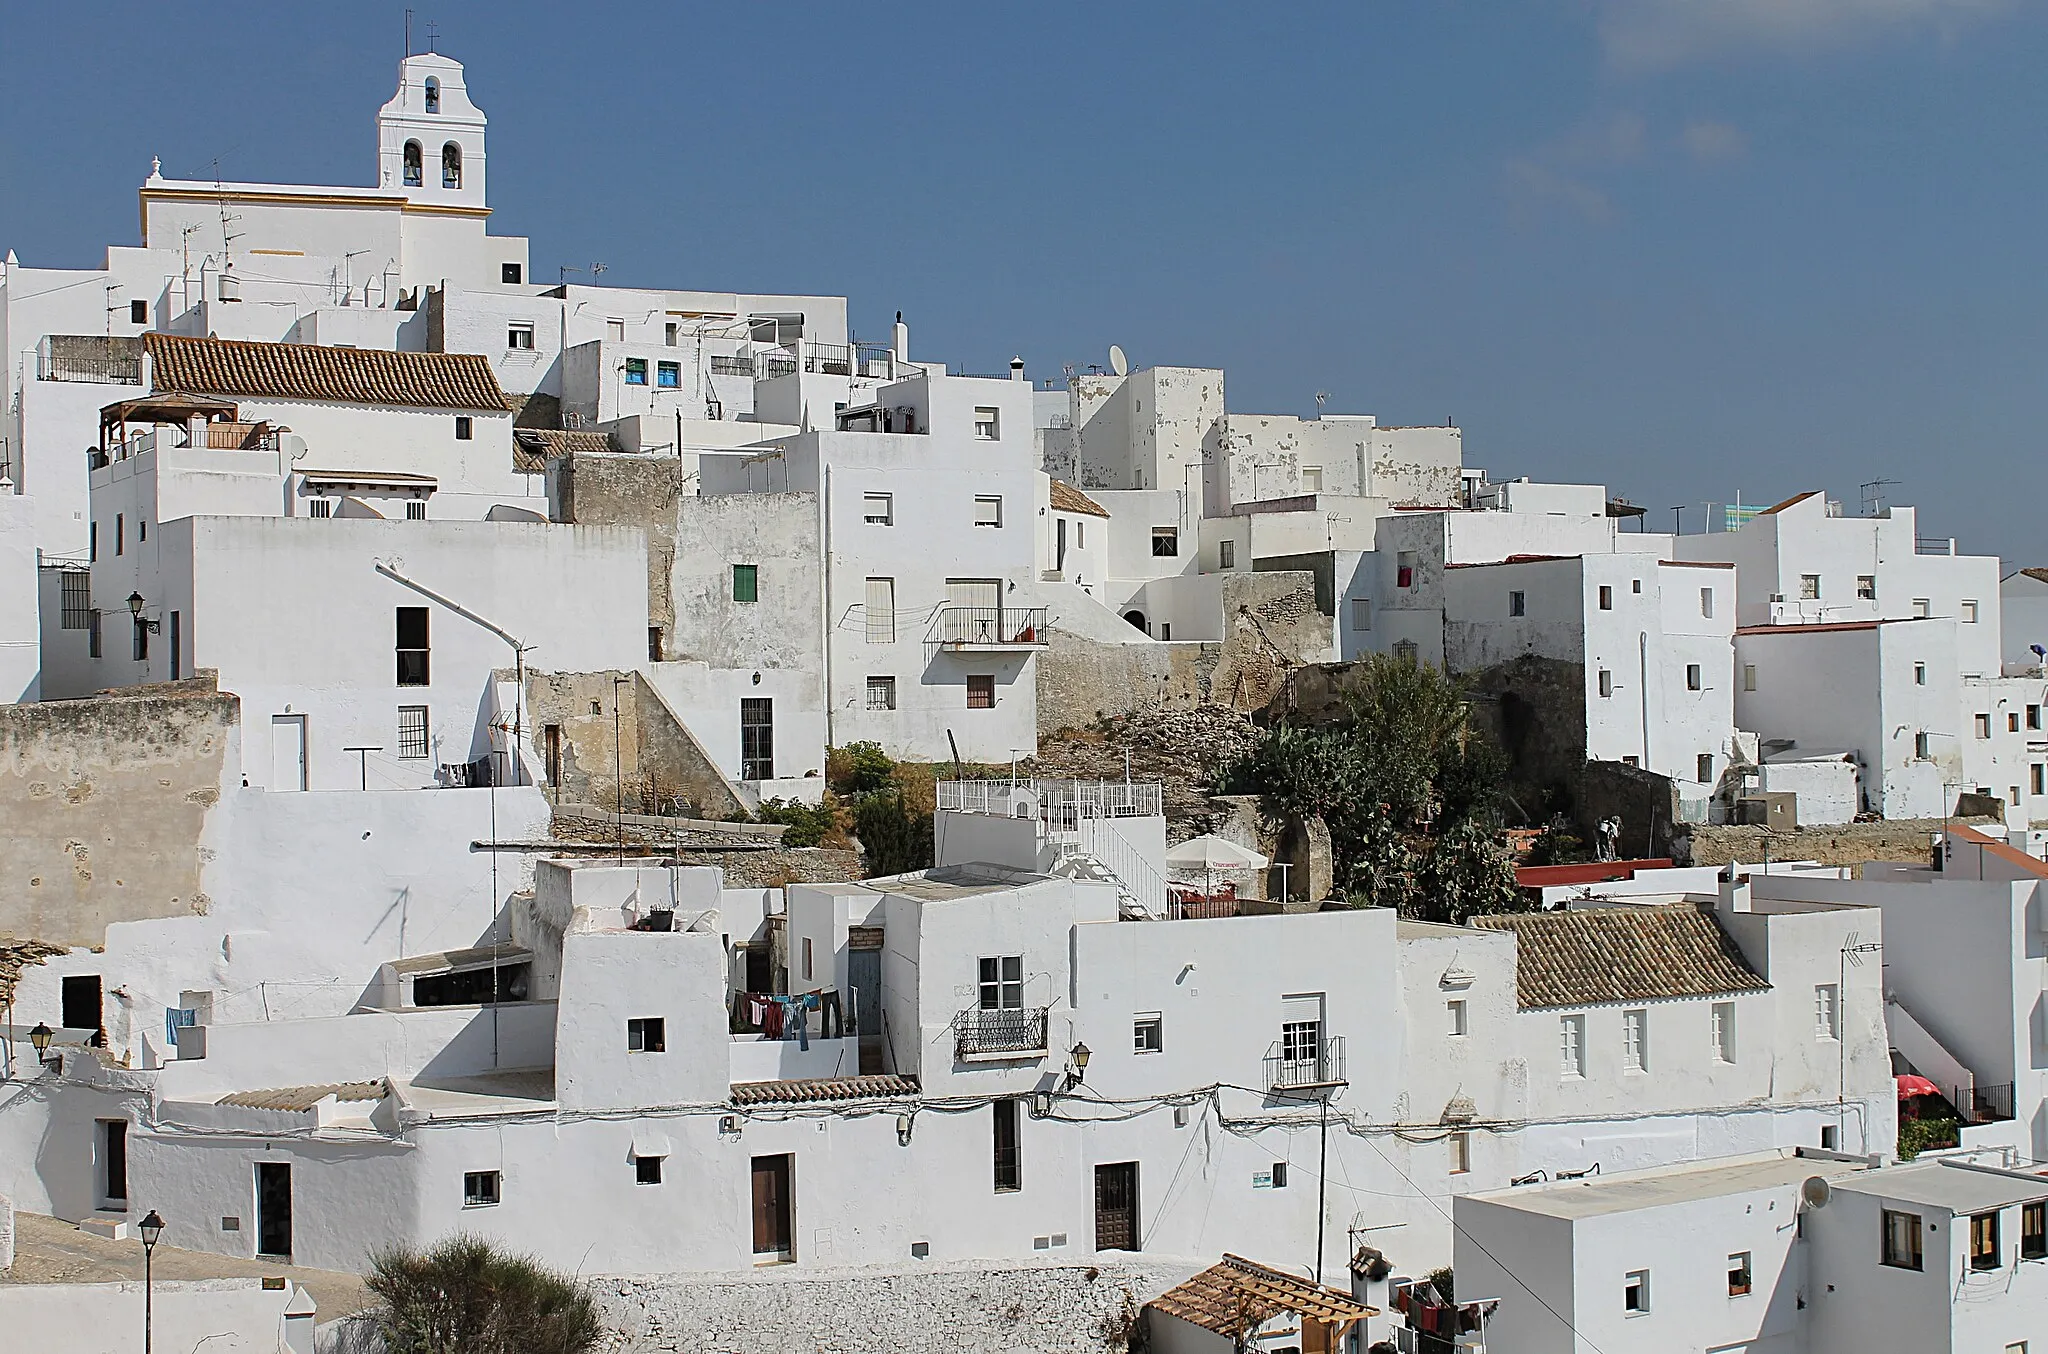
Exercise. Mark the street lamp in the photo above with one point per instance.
(152, 1227)
(39, 1039)
(135, 610)
(1079, 1071)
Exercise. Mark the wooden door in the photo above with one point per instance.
(864, 976)
(773, 1232)
(1116, 1206)
(274, 1209)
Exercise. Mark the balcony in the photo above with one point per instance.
(981, 629)
(990, 1036)
(1299, 1069)
(1980, 1104)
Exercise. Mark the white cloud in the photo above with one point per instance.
(1649, 34)
(1559, 173)
(1710, 141)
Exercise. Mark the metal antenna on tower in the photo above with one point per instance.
(1874, 496)
(1322, 398)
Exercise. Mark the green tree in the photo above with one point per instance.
(1468, 874)
(859, 769)
(807, 823)
(465, 1296)
(896, 838)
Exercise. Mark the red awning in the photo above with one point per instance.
(1912, 1086)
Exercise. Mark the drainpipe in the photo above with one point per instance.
(1643, 681)
(825, 509)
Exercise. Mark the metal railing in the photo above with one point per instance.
(1320, 1066)
(1934, 545)
(89, 357)
(1060, 803)
(964, 627)
(1983, 1104)
(830, 359)
(732, 364)
(979, 1033)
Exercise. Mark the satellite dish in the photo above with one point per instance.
(1816, 1192)
(1118, 363)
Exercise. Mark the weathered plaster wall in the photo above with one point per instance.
(104, 806)
(1046, 1309)
(656, 760)
(634, 491)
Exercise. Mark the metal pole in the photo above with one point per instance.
(618, 771)
(148, 1297)
(1322, 1186)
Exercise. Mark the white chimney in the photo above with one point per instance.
(899, 339)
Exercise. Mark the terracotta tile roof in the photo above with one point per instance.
(1066, 498)
(305, 1097)
(308, 371)
(1237, 1296)
(823, 1088)
(1512, 559)
(533, 448)
(2010, 854)
(2038, 575)
(1796, 498)
(1817, 627)
(1694, 564)
(1613, 954)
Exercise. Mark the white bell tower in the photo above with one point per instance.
(430, 137)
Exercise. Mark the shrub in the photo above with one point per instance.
(807, 823)
(858, 769)
(896, 837)
(465, 1296)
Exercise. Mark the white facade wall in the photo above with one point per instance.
(20, 601)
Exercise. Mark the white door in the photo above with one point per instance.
(974, 610)
(287, 752)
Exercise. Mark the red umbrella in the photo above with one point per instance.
(1912, 1086)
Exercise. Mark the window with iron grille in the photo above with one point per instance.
(757, 738)
(881, 693)
(1008, 1176)
(77, 599)
(416, 510)
(320, 507)
(981, 692)
(412, 731)
(480, 1189)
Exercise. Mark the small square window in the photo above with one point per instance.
(481, 1189)
(881, 693)
(1705, 768)
(988, 510)
(1695, 678)
(647, 1170)
(1983, 722)
(636, 371)
(1919, 674)
(1606, 683)
(1922, 608)
(2033, 716)
(746, 582)
(511, 274)
(647, 1035)
(1459, 1148)
(981, 692)
(1165, 542)
(670, 332)
(465, 428)
(519, 336)
(1311, 479)
(878, 509)
(1749, 676)
(1635, 585)
(987, 424)
(1866, 587)
(1279, 1174)
(1984, 1249)
(1226, 555)
(1809, 587)
(1707, 602)
(138, 312)
(1739, 1275)
(1606, 597)
(1921, 745)
(615, 330)
(1361, 613)
(1148, 1034)
(1517, 604)
(668, 375)
(1455, 1015)
(1969, 613)
(1404, 569)
(416, 510)
(412, 731)
(1635, 1292)
(1901, 1239)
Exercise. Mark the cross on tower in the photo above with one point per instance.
(433, 32)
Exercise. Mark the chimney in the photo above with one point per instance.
(899, 339)
(1734, 897)
(1016, 369)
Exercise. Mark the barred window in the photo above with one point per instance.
(412, 731)
(77, 599)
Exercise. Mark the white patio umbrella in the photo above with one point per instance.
(1210, 853)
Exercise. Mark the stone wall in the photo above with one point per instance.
(1646, 803)
(656, 766)
(943, 1309)
(633, 491)
(104, 806)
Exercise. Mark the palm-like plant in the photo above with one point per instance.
(465, 1296)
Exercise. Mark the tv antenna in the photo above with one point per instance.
(1874, 496)
(1322, 398)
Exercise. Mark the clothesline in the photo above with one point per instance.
(788, 1015)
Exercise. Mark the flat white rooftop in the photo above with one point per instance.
(1950, 1185)
(1657, 1189)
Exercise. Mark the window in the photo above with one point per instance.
(2012, 722)
(881, 613)
(1827, 1017)
(1166, 629)
(1455, 1015)
(1311, 479)
(1705, 769)
(1739, 1275)
(878, 509)
(1631, 760)
(141, 651)
(1828, 1137)
(2034, 1231)
(114, 1161)
(1721, 1031)
(2012, 792)
(1606, 597)
(1406, 650)
(92, 542)
(1922, 608)
(1983, 725)
(881, 693)
(551, 744)
(511, 274)
(988, 510)
(412, 646)
(1635, 1292)
(77, 593)
(1148, 1034)
(1901, 1239)
(1920, 746)
(415, 161)
(481, 1189)
(1809, 587)
(1278, 1175)
(1002, 983)
(636, 371)
(1460, 1151)
(808, 964)
(1635, 1041)
(1404, 569)
(1969, 613)
(1695, 679)
(1571, 1036)
(320, 507)
(746, 582)
(1707, 602)
(92, 635)
(1080, 535)
(1984, 1241)
(2038, 775)
(1606, 683)
(1517, 606)
(1008, 1178)
(519, 336)
(1301, 1029)
(412, 731)
(1361, 613)
(120, 533)
(987, 423)
(668, 375)
(670, 332)
(615, 330)
(981, 692)
(141, 530)
(646, 1170)
(1919, 674)
(1866, 587)
(1165, 542)
(465, 428)
(416, 510)
(1749, 676)
(451, 165)
(2033, 716)
(1635, 585)
(757, 738)
(1226, 555)
(647, 1034)
(138, 312)
(433, 95)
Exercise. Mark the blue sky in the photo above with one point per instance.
(1682, 247)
